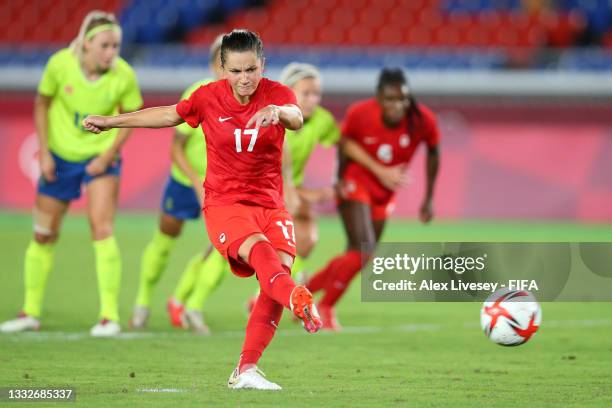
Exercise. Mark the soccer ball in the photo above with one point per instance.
(510, 317)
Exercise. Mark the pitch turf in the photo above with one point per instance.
(417, 354)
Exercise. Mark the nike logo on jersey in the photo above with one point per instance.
(224, 119)
(276, 276)
(369, 140)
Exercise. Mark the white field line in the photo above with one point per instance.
(357, 330)
(161, 390)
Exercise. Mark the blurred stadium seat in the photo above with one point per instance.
(436, 34)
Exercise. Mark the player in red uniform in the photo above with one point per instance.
(244, 117)
(379, 138)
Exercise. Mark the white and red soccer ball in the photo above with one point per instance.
(510, 317)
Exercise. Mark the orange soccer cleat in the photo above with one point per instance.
(303, 307)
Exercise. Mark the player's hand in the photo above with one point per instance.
(270, 115)
(47, 166)
(98, 165)
(426, 212)
(293, 200)
(318, 195)
(199, 190)
(96, 124)
(339, 190)
(392, 177)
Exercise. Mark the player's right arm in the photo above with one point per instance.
(158, 117)
(391, 177)
(177, 153)
(41, 115)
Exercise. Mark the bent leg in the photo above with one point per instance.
(358, 225)
(155, 256)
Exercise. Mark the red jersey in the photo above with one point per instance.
(244, 165)
(389, 146)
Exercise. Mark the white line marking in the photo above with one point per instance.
(416, 327)
(161, 390)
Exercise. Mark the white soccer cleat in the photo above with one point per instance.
(22, 323)
(195, 320)
(140, 317)
(106, 328)
(253, 378)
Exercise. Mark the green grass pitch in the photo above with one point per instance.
(405, 354)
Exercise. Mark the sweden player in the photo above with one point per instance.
(319, 129)
(181, 201)
(87, 78)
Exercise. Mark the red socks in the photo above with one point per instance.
(341, 271)
(320, 279)
(274, 279)
(260, 329)
(276, 287)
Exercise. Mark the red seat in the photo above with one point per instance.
(390, 35)
(331, 34)
(360, 35)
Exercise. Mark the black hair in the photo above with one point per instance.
(395, 76)
(241, 40)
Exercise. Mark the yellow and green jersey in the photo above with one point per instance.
(74, 97)
(320, 128)
(195, 146)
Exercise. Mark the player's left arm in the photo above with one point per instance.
(288, 115)
(432, 165)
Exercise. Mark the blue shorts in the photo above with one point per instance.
(70, 177)
(180, 201)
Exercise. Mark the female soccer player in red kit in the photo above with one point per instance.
(244, 117)
(379, 138)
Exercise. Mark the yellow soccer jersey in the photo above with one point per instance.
(195, 147)
(74, 97)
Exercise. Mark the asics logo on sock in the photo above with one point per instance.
(276, 276)
(273, 323)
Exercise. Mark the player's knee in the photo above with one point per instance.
(170, 226)
(244, 247)
(307, 241)
(46, 238)
(44, 230)
(305, 248)
(101, 230)
(366, 245)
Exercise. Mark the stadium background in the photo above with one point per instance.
(523, 93)
(522, 89)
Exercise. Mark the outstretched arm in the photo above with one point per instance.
(158, 117)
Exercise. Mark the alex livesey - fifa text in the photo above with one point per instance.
(471, 271)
